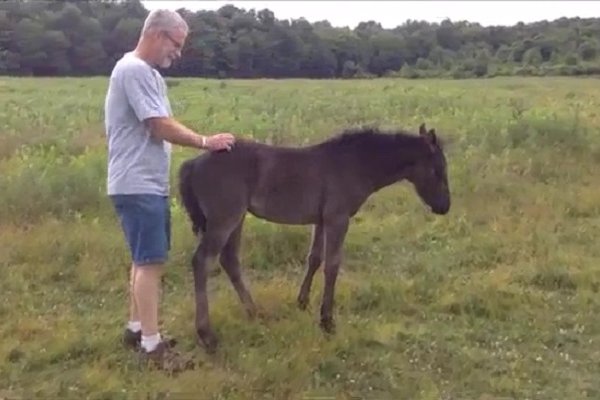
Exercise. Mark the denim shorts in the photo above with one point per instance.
(146, 223)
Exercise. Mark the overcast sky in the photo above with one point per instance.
(393, 13)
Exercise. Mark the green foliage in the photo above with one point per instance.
(498, 299)
(86, 38)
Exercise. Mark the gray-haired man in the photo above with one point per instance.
(140, 130)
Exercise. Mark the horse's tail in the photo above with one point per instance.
(188, 198)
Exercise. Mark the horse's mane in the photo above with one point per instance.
(367, 137)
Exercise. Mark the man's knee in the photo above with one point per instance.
(149, 270)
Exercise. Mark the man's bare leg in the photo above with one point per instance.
(134, 317)
(133, 332)
(157, 349)
(146, 292)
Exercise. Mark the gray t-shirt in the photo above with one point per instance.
(137, 162)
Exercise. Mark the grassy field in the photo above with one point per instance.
(498, 299)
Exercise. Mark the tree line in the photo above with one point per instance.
(83, 38)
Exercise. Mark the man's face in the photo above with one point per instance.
(169, 47)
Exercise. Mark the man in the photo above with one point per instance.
(140, 130)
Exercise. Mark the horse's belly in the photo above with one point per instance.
(286, 208)
(287, 189)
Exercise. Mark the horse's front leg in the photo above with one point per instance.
(335, 233)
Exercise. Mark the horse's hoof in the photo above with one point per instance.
(252, 313)
(209, 341)
(302, 303)
(328, 326)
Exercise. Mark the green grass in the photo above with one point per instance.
(498, 299)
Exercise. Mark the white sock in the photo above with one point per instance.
(149, 343)
(134, 326)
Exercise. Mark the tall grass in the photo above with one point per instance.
(498, 299)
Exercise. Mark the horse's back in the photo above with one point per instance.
(231, 166)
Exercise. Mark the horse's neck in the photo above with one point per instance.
(389, 165)
(374, 164)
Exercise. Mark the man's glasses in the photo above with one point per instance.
(177, 45)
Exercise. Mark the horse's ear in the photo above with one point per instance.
(432, 136)
(430, 139)
(422, 129)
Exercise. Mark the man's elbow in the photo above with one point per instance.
(158, 126)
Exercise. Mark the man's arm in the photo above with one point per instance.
(142, 93)
(172, 131)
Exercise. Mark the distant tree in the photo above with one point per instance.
(85, 38)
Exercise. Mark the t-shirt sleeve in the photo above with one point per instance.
(142, 92)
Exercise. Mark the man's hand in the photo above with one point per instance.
(219, 141)
(174, 132)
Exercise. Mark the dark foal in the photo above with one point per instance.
(322, 185)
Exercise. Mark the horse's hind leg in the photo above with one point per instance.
(209, 247)
(231, 264)
(314, 260)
